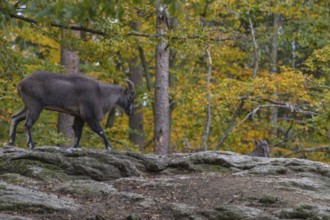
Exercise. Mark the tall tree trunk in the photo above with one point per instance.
(255, 48)
(136, 133)
(209, 114)
(145, 68)
(162, 107)
(70, 60)
(293, 46)
(273, 68)
(173, 23)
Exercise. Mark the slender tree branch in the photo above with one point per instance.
(208, 123)
(144, 35)
(292, 107)
(149, 142)
(287, 139)
(145, 67)
(101, 33)
(174, 37)
(310, 150)
(231, 125)
(297, 121)
(256, 50)
(288, 131)
(53, 24)
(285, 105)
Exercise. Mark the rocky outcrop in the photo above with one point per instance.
(57, 183)
(14, 198)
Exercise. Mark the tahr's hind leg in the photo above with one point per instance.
(31, 118)
(96, 127)
(16, 119)
(78, 125)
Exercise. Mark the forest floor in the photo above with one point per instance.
(178, 196)
(52, 183)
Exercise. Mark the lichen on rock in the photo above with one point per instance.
(58, 183)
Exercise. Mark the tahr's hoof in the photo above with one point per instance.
(31, 146)
(108, 148)
(69, 150)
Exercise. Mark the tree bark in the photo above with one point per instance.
(209, 113)
(136, 132)
(273, 68)
(162, 107)
(145, 68)
(256, 50)
(70, 60)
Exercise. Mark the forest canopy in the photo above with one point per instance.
(237, 70)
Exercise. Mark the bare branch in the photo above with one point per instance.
(101, 33)
(284, 105)
(195, 36)
(282, 142)
(231, 124)
(208, 123)
(53, 24)
(293, 107)
(144, 35)
(256, 50)
(310, 150)
(298, 121)
(145, 67)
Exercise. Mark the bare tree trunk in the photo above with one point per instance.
(172, 25)
(293, 46)
(145, 68)
(162, 107)
(273, 68)
(256, 50)
(70, 60)
(274, 44)
(209, 114)
(136, 133)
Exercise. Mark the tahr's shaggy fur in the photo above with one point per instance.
(86, 99)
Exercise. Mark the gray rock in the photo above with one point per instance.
(86, 187)
(263, 186)
(305, 212)
(19, 198)
(13, 217)
(183, 211)
(235, 212)
(15, 178)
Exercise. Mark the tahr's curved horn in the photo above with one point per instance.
(131, 86)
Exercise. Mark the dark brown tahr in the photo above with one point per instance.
(86, 99)
(261, 149)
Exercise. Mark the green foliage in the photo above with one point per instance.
(300, 89)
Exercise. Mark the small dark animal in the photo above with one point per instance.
(261, 149)
(86, 99)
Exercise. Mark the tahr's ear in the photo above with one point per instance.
(255, 142)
